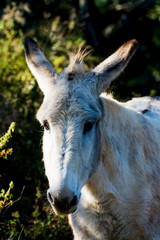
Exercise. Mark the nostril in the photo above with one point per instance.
(62, 204)
(73, 201)
(49, 196)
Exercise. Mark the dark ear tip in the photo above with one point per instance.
(135, 43)
(132, 42)
(29, 44)
(28, 40)
(130, 48)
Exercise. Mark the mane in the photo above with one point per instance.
(75, 66)
(81, 54)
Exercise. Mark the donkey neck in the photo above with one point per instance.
(121, 130)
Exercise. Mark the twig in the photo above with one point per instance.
(17, 198)
(10, 237)
(20, 233)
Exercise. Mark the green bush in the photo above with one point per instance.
(6, 225)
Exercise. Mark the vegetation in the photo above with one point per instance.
(59, 27)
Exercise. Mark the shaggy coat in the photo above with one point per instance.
(101, 157)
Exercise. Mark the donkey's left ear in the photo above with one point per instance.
(39, 65)
(109, 69)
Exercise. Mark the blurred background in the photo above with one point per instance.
(59, 26)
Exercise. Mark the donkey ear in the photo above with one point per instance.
(109, 69)
(39, 66)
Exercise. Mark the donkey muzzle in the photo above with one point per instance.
(62, 203)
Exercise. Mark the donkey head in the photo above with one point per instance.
(71, 113)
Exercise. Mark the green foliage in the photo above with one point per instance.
(8, 228)
(5, 197)
(3, 141)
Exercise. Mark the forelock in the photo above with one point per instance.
(75, 67)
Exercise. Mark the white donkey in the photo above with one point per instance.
(101, 157)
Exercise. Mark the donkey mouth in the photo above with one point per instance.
(64, 211)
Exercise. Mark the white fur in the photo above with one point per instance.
(114, 168)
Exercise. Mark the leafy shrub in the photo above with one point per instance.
(6, 196)
(3, 141)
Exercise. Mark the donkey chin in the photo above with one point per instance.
(64, 211)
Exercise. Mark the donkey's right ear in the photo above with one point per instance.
(110, 68)
(39, 66)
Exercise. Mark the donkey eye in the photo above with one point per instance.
(46, 125)
(87, 127)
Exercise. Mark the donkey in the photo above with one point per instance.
(101, 157)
